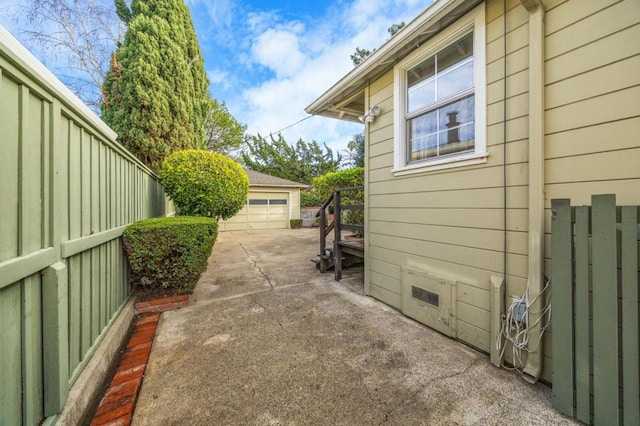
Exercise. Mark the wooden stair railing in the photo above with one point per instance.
(341, 250)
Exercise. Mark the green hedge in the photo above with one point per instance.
(309, 199)
(324, 185)
(169, 252)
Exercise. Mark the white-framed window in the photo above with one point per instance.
(439, 100)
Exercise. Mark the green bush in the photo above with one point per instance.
(295, 223)
(169, 252)
(326, 184)
(310, 199)
(203, 183)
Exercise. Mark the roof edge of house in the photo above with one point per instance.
(384, 58)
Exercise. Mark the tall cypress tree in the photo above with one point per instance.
(156, 90)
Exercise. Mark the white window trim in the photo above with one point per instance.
(472, 21)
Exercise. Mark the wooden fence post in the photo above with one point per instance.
(582, 312)
(630, 350)
(605, 311)
(55, 318)
(561, 288)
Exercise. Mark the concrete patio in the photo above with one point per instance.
(269, 340)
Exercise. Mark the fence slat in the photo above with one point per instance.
(10, 355)
(582, 327)
(630, 352)
(605, 311)
(32, 332)
(561, 288)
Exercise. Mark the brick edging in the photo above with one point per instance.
(161, 305)
(119, 401)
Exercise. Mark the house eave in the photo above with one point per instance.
(431, 21)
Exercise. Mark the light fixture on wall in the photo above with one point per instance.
(370, 116)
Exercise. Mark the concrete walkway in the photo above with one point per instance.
(271, 341)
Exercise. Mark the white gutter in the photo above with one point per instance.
(533, 368)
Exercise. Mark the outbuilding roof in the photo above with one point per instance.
(263, 179)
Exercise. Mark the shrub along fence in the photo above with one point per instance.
(67, 191)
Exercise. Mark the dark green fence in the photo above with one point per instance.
(594, 251)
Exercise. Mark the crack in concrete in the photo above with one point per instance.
(269, 312)
(425, 385)
(254, 264)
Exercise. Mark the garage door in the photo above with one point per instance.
(263, 210)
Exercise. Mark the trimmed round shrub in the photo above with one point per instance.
(203, 183)
(169, 252)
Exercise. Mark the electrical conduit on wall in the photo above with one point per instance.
(534, 365)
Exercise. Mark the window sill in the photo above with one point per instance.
(442, 164)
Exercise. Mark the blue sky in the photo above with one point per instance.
(268, 60)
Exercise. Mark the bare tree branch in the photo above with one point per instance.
(76, 38)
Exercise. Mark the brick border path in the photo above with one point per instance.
(119, 401)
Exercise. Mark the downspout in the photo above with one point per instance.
(533, 368)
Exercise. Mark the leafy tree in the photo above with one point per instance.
(225, 135)
(78, 37)
(156, 91)
(393, 30)
(300, 162)
(355, 151)
(203, 183)
(361, 54)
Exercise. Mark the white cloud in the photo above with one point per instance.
(219, 15)
(220, 77)
(307, 60)
(279, 50)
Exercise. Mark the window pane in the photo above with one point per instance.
(448, 72)
(278, 202)
(446, 130)
(422, 72)
(455, 53)
(421, 85)
(457, 113)
(257, 202)
(455, 80)
(423, 147)
(423, 137)
(423, 125)
(457, 126)
(421, 95)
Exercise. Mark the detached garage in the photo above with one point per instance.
(272, 202)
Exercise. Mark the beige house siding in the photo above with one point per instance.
(450, 222)
(592, 105)
(468, 224)
(593, 101)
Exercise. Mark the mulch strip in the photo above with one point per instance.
(119, 400)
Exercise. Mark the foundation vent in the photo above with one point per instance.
(428, 298)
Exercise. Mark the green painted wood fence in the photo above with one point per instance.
(594, 251)
(67, 190)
